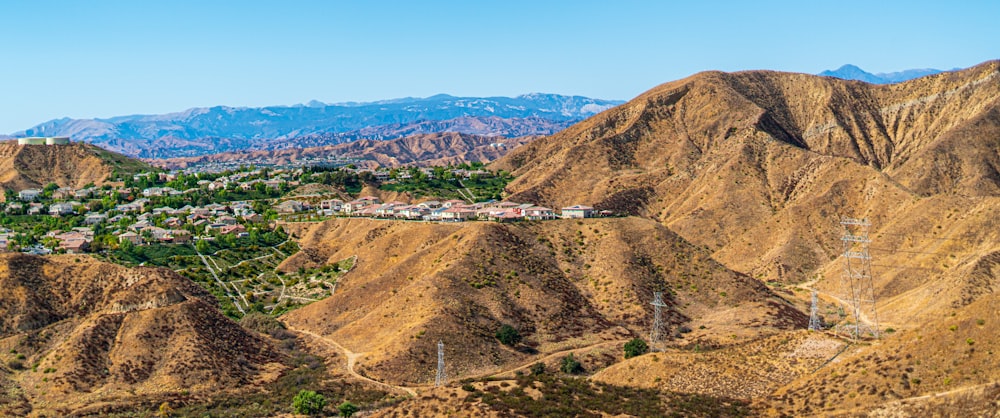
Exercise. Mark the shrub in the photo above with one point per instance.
(570, 365)
(260, 322)
(15, 365)
(308, 402)
(508, 335)
(347, 409)
(636, 347)
(538, 369)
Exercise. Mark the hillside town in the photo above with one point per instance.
(179, 207)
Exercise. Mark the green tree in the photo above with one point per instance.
(570, 365)
(308, 402)
(636, 347)
(347, 409)
(508, 335)
(201, 246)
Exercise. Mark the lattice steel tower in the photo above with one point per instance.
(858, 277)
(815, 324)
(658, 332)
(440, 378)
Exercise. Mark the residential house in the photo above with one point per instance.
(539, 213)
(458, 213)
(62, 193)
(232, 229)
(290, 206)
(178, 236)
(577, 211)
(95, 218)
(35, 208)
(331, 204)
(29, 194)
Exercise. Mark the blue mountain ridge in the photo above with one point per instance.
(853, 72)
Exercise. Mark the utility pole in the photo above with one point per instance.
(656, 334)
(858, 277)
(815, 324)
(440, 378)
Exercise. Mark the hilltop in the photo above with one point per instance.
(73, 165)
(202, 131)
(759, 167)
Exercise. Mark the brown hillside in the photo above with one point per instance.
(93, 332)
(563, 284)
(73, 165)
(952, 357)
(760, 166)
(420, 149)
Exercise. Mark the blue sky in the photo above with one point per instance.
(86, 59)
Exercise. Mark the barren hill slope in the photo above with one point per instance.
(91, 332)
(73, 165)
(759, 166)
(563, 284)
(422, 149)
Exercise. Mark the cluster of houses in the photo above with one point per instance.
(447, 211)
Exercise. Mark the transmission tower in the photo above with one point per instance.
(440, 378)
(858, 278)
(657, 333)
(815, 324)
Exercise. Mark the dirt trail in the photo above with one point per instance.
(352, 358)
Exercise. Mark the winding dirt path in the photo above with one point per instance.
(352, 359)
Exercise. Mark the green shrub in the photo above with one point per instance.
(508, 335)
(570, 365)
(347, 409)
(308, 402)
(538, 369)
(636, 347)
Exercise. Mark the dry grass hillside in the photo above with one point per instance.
(760, 166)
(76, 333)
(421, 149)
(952, 357)
(563, 284)
(765, 163)
(74, 165)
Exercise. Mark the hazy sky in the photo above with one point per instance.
(86, 59)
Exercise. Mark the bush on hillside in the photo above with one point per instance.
(308, 402)
(636, 347)
(508, 335)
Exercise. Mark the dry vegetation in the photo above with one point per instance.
(74, 165)
(562, 284)
(759, 166)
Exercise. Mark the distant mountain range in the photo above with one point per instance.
(202, 131)
(852, 72)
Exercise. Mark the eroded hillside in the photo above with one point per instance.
(564, 284)
(87, 333)
(73, 165)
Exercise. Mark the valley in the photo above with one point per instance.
(532, 263)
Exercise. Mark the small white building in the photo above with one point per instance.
(29, 194)
(577, 212)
